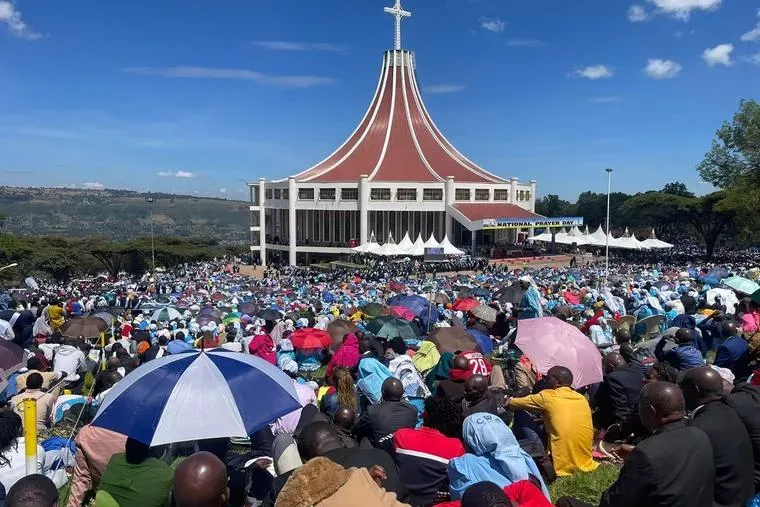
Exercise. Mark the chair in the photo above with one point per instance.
(652, 323)
(613, 324)
(626, 321)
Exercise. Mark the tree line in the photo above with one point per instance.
(732, 165)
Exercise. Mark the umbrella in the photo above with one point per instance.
(421, 307)
(165, 315)
(391, 327)
(310, 338)
(338, 329)
(549, 342)
(741, 284)
(12, 359)
(485, 313)
(232, 317)
(512, 294)
(159, 402)
(482, 339)
(205, 320)
(401, 312)
(210, 310)
(453, 339)
(88, 327)
(465, 305)
(375, 309)
(248, 308)
(440, 299)
(269, 314)
(480, 292)
(105, 316)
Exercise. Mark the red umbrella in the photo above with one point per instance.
(310, 338)
(401, 312)
(466, 304)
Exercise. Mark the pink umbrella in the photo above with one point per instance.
(549, 342)
(401, 312)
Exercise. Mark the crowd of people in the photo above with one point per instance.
(421, 395)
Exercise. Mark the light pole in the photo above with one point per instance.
(607, 246)
(13, 265)
(150, 201)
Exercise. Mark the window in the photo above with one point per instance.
(380, 194)
(349, 194)
(269, 193)
(501, 194)
(462, 194)
(406, 194)
(306, 194)
(432, 194)
(277, 193)
(482, 194)
(285, 194)
(327, 194)
(527, 195)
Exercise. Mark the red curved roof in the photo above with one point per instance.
(397, 139)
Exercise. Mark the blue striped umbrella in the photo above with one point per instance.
(197, 395)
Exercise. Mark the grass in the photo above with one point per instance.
(587, 487)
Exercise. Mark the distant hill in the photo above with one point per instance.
(120, 214)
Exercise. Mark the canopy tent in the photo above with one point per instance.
(389, 248)
(599, 236)
(450, 249)
(367, 247)
(653, 242)
(406, 243)
(630, 243)
(544, 236)
(418, 248)
(574, 236)
(431, 242)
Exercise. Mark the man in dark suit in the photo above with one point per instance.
(452, 388)
(746, 401)
(617, 397)
(391, 414)
(671, 468)
(732, 448)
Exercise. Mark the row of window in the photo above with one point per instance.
(402, 194)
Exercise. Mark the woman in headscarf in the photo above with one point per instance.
(371, 376)
(493, 455)
(347, 355)
(263, 347)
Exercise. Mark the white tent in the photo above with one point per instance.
(431, 242)
(389, 248)
(367, 247)
(418, 248)
(574, 236)
(599, 236)
(406, 243)
(544, 236)
(450, 249)
(629, 243)
(653, 242)
(561, 234)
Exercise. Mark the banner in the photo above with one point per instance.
(522, 223)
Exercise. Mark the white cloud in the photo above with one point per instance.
(594, 72)
(284, 45)
(443, 88)
(305, 81)
(177, 174)
(526, 43)
(662, 69)
(16, 26)
(604, 100)
(637, 14)
(754, 34)
(222, 190)
(681, 9)
(493, 24)
(93, 185)
(719, 55)
(754, 59)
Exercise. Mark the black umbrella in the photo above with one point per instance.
(88, 327)
(269, 314)
(512, 294)
(12, 358)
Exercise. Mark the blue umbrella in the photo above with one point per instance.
(483, 340)
(197, 395)
(421, 307)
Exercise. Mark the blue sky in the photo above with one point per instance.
(199, 96)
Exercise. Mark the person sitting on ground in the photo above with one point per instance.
(69, 358)
(12, 450)
(95, 447)
(732, 448)
(493, 455)
(671, 468)
(341, 392)
(422, 454)
(135, 478)
(391, 414)
(684, 355)
(519, 494)
(452, 388)
(485, 493)
(344, 420)
(32, 491)
(347, 355)
(618, 394)
(567, 418)
(201, 481)
(734, 352)
(478, 398)
(34, 365)
(661, 372)
(45, 401)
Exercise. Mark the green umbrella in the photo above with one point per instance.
(740, 284)
(375, 309)
(391, 327)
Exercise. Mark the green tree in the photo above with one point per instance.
(552, 206)
(592, 207)
(677, 188)
(708, 218)
(659, 210)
